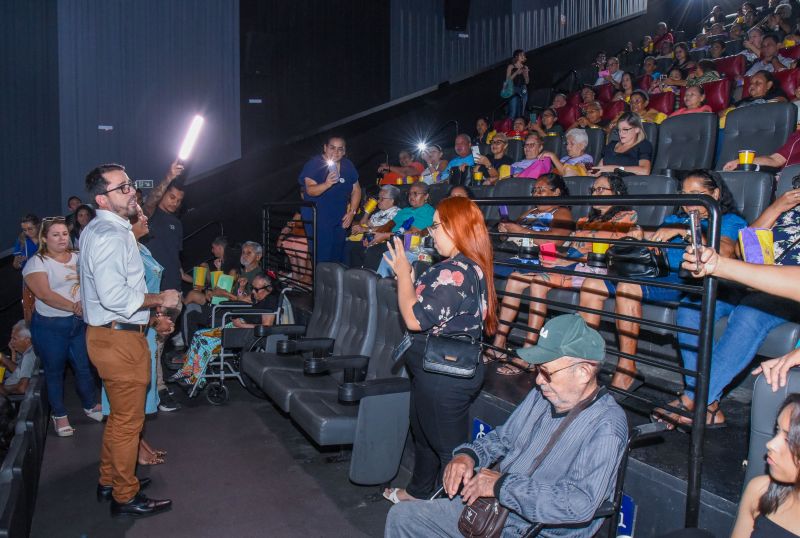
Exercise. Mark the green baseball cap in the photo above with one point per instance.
(566, 335)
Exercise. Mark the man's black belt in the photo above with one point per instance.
(120, 326)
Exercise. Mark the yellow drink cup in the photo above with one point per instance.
(477, 176)
(504, 171)
(789, 43)
(370, 206)
(746, 156)
(2, 373)
(215, 276)
(600, 248)
(199, 277)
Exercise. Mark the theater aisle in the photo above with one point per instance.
(241, 469)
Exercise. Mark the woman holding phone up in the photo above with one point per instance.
(455, 296)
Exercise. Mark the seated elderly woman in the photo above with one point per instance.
(694, 98)
(388, 198)
(536, 161)
(206, 344)
(604, 221)
(633, 153)
(639, 105)
(576, 162)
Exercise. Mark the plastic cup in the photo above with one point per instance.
(746, 156)
(504, 171)
(600, 248)
(399, 181)
(199, 277)
(477, 176)
(370, 206)
(2, 373)
(789, 43)
(415, 241)
(215, 276)
(407, 241)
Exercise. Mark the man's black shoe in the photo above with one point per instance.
(140, 506)
(104, 492)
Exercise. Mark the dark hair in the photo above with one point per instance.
(706, 65)
(519, 118)
(95, 182)
(470, 194)
(619, 188)
(551, 110)
(485, 119)
(554, 181)
(177, 186)
(698, 87)
(770, 78)
(632, 77)
(777, 492)
(30, 217)
(771, 36)
(720, 42)
(82, 207)
(331, 137)
(73, 197)
(516, 53)
(712, 180)
(221, 241)
(642, 93)
(681, 45)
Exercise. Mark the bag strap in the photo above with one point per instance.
(471, 265)
(569, 419)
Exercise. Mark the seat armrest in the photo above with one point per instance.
(288, 330)
(353, 392)
(321, 365)
(318, 346)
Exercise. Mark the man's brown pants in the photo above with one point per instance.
(122, 359)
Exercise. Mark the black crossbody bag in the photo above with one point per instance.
(456, 355)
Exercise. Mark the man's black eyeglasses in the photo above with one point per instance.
(125, 188)
(548, 376)
(268, 287)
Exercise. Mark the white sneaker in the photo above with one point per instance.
(94, 414)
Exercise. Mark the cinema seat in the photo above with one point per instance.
(762, 128)
(731, 67)
(663, 102)
(686, 142)
(567, 115)
(752, 191)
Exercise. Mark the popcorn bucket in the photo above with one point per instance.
(215, 276)
(199, 277)
(410, 241)
(504, 171)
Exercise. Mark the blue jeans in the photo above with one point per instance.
(749, 323)
(58, 341)
(518, 102)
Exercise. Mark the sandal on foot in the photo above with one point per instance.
(491, 354)
(63, 431)
(508, 369)
(391, 495)
(94, 414)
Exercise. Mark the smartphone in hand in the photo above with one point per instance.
(696, 236)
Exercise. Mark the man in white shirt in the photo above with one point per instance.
(116, 306)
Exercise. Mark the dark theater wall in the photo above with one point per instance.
(306, 63)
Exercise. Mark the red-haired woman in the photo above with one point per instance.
(455, 296)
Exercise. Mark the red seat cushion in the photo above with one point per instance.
(613, 109)
(574, 98)
(567, 115)
(718, 94)
(605, 92)
(644, 82)
(663, 102)
(789, 79)
(730, 66)
(502, 126)
(791, 52)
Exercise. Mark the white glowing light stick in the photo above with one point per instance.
(190, 138)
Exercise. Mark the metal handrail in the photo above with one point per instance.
(267, 226)
(708, 293)
(203, 227)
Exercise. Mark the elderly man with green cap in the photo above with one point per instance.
(558, 451)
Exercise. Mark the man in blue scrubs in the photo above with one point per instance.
(331, 181)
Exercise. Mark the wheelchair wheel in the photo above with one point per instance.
(216, 394)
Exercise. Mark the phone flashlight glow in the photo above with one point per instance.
(190, 138)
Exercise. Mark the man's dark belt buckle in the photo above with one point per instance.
(120, 326)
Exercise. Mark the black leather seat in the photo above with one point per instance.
(752, 191)
(554, 143)
(763, 414)
(686, 142)
(579, 186)
(762, 128)
(515, 149)
(355, 334)
(651, 132)
(785, 178)
(377, 427)
(597, 139)
(515, 187)
(651, 216)
(437, 192)
(328, 300)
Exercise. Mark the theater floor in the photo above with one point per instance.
(241, 469)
